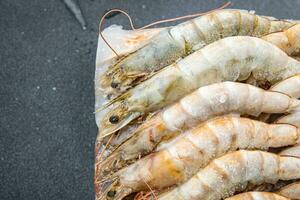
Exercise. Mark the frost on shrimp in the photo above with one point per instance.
(183, 39)
(229, 59)
(197, 147)
(205, 103)
(257, 196)
(233, 172)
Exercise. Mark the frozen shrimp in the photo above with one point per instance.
(287, 40)
(291, 191)
(196, 148)
(183, 39)
(257, 196)
(233, 172)
(229, 59)
(206, 102)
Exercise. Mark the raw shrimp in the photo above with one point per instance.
(287, 40)
(206, 102)
(257, 196)
(229, 59)
(183, 39)
(196, 148)
(231, 173)
(291, 191)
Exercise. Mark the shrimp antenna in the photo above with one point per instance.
(151, 24)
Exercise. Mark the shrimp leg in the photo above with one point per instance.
(201, 105)
(231, 173)
(196, 148)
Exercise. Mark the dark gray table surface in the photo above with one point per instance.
(47, 127)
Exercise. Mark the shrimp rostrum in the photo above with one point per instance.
(203, 104)
(233, 172)
(195, 149)
(179, 41)
(229, 59)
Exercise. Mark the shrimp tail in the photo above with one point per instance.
(110, 188)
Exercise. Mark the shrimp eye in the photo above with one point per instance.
(114, 119)
(111, 193)
(114, 84)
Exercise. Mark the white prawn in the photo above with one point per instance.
(194, 150)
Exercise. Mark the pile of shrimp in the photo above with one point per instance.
(208, 109)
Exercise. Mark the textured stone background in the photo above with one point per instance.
(47, 127)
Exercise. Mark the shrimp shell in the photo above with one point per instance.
(197, 147)
(203, 104)
(291, 191)
(231, 173)
(257, 196)
(229, 59)
(183, 39)
(287, 40)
